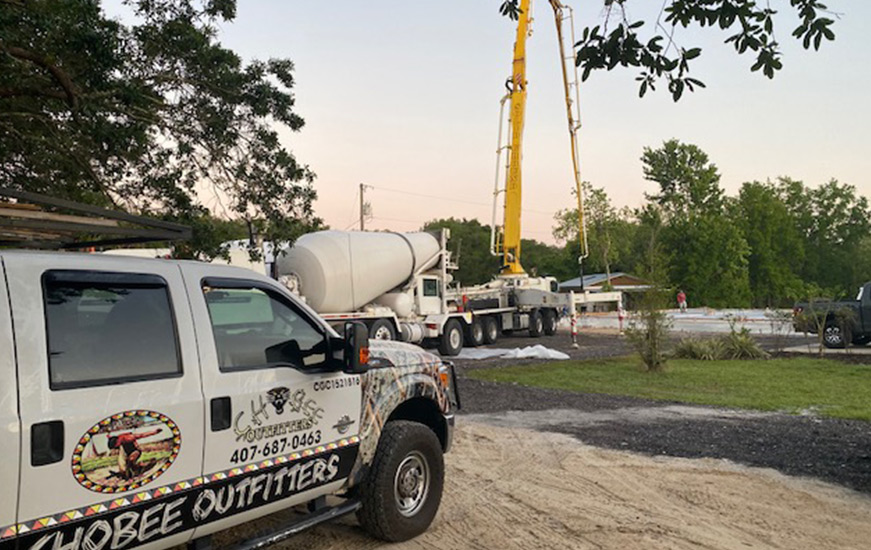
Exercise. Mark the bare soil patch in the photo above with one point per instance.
(510, 488)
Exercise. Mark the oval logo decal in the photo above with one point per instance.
(126, 451)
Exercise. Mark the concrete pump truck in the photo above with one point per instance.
(526, 302)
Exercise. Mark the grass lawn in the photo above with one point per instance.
(828, 387)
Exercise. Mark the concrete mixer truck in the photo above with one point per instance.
(394, 282)
(398, 284)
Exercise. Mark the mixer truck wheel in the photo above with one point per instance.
(549, 322)
(451, 341)
(536, 323)
(382, 329)
(475, 333)
(491, 330)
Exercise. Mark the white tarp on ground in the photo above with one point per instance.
(529, 352)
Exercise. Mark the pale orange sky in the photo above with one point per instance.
(404, 96)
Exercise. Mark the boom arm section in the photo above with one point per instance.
(570, 83)
(511, 229)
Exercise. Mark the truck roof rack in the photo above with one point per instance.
(34, 220)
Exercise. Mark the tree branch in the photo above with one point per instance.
(59, 74)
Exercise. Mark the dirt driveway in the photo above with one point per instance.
(510, 488)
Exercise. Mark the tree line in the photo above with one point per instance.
(773, 243)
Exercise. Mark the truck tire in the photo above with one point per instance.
(549, 318)
(475, 333)
(451, 341)
(382, 329)
(403, 488)
(536, 323)
(832, 336)
(491, 330)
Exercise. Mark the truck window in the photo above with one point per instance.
(255, 329)
(430, 287)
(105, 328)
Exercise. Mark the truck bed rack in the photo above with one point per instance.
(40, 221)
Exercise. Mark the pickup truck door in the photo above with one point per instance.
(10, 432)
(110, 401)
(279, 431)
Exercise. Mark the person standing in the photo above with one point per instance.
(681, 301)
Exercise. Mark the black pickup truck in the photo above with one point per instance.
(838, 328)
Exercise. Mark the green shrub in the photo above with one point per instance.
(707, 349)
(648, 333)
(738, 344)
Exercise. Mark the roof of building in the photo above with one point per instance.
(596, 280)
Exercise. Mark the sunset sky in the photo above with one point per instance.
(404, 96)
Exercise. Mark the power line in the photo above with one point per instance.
(451, 199)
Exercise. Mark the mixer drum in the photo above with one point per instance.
(340, 271)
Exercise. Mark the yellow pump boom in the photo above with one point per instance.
(507, 244)
(511, 228)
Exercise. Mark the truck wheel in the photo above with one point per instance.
(451, 341)
(549, 316)
(491, 330)
(475, 333)
(402, 490)
(536, 323)
(382, 329)
(832, 336)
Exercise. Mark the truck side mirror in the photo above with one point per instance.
(356, 348)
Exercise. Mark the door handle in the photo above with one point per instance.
(46, 442)
(221, 411)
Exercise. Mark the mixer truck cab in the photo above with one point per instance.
(150, 403)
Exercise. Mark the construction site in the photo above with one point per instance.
(421, 356)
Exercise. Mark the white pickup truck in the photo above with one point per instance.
(151, 403)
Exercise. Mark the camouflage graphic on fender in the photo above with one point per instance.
(386, 386)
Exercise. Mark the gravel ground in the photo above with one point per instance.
(837, 451)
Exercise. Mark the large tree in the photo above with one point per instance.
(689, 183)
(706, 249)
(654, 48)
(609, 232)
(777, 250)
(834, 221)
(470, 247)
(153, 116)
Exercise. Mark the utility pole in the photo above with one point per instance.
(362, 207)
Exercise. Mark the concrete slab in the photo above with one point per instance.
(813, 349)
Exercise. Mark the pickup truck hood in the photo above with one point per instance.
(389, 353)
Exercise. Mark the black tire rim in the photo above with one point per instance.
(411, 484)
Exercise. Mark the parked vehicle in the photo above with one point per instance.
(151, 403)
(841, 322)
